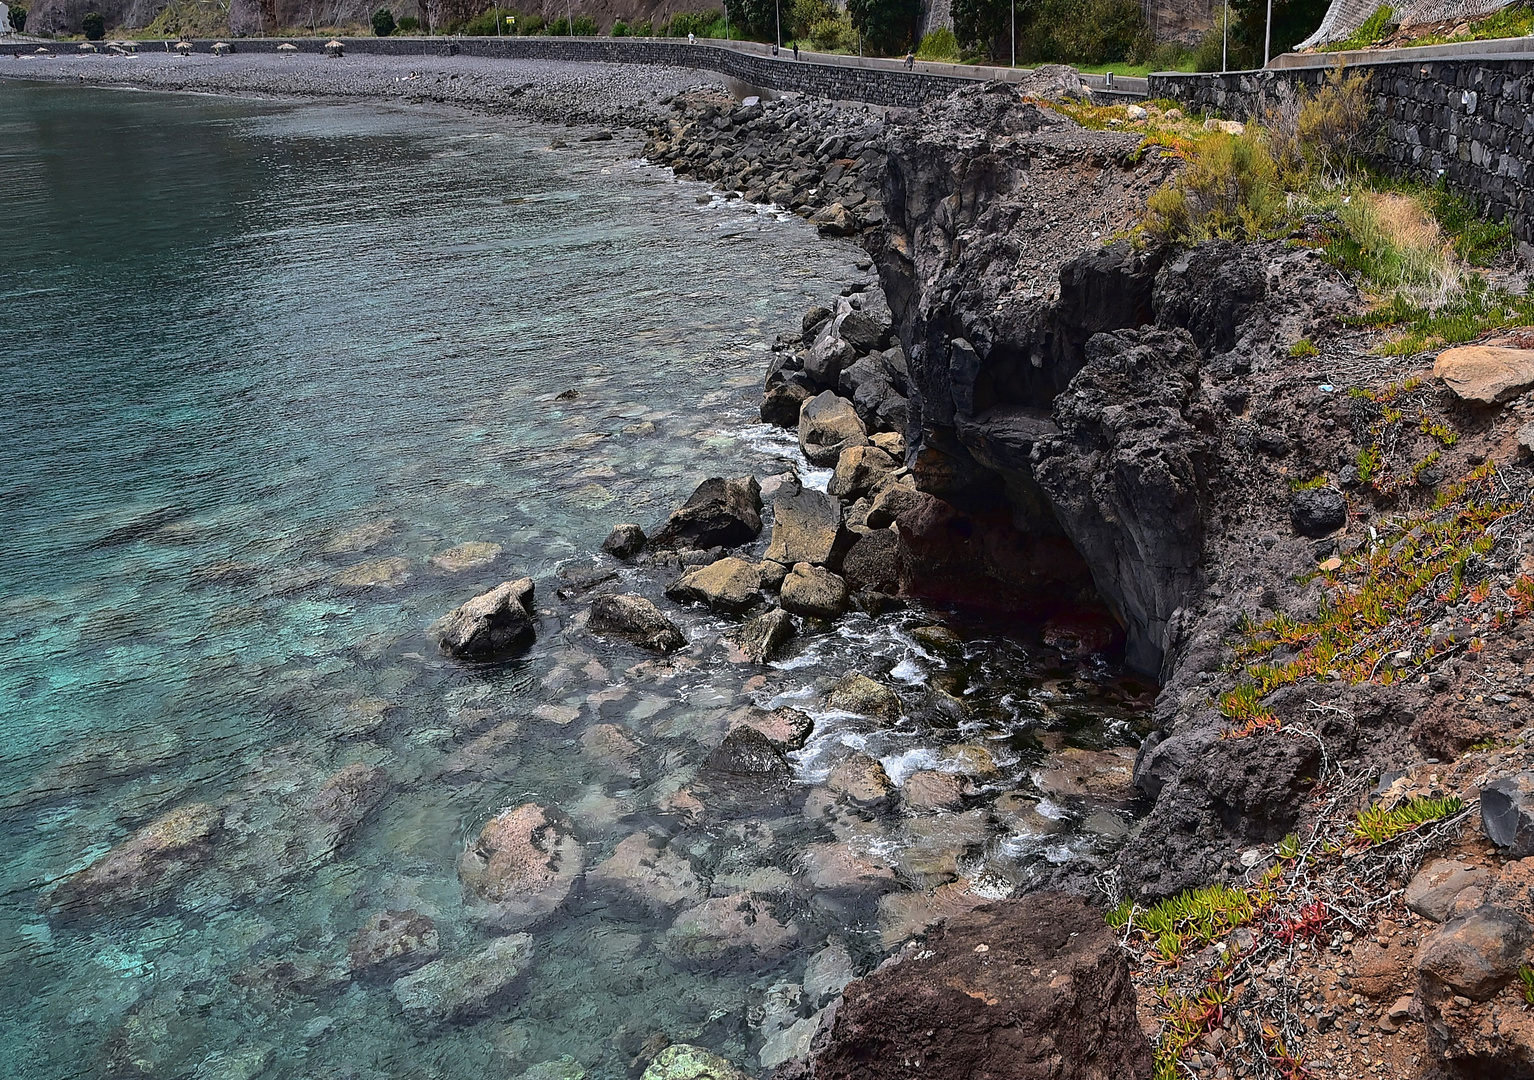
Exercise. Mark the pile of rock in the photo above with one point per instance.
(822, 160)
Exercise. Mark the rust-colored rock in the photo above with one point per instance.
(145, 867)
(1031, 989)
(521, 868)
(1486, 374)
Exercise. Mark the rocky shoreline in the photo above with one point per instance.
(1119, 442)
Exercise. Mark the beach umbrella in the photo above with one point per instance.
(220, 48)
(86, 46)
(287, 47)
(334, 48)
(183, 47)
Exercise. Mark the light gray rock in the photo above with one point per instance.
(465, 986)
(638, 620)
(807, 526)
(763, 636)
(815, 592)
(828, 424)
(1432, 892)
(731, 585)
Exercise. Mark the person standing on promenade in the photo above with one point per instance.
(690, 39)
(796, 50)
(910, 60)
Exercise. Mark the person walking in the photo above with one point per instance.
(796, 50)
(910, 60)
(774, 48)
(690, 39)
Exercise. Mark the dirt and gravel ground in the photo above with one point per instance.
(614, 94)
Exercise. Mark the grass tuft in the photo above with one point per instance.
(1377, 824)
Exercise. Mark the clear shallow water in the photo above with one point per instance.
(264, 365)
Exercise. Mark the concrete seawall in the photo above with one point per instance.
(1464, 119)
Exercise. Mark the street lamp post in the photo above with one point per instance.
(1225, 41)
(777, 7)
(1267, 37)
(1014, 33)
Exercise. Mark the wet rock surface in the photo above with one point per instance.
(637, 619)
(466, 986)
(521, 868)
(720, 513)
(495, 624)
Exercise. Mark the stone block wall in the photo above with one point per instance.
(1467, 120)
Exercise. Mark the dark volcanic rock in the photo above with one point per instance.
(637, 619)
(1507, 813)
(781, 403)
(1316, 512)
(1208, 290)
(1474, 955)
(625, 541)
(391, 944)
(495, 624)
(873, 562)
(1126, 478)
(720, 513)
(1031, 989)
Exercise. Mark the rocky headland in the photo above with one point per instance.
(1318, 554)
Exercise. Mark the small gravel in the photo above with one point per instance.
(614, 94)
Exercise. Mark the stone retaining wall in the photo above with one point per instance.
(878, 82)
(1466, 120)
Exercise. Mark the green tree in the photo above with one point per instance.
(18, 18)
(983, 25)
(383, 22)
(887, 26)
(1293, 22)
(759, 18)
(584, 26)
(93, 26)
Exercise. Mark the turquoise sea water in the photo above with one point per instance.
(266, 369)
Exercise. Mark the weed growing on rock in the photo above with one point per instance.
(1378, 824)
(1465, 316)
(1526, 983)
(1303, 348)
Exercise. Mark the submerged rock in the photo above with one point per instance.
(638, 620)
(495, 624)
(465, 986)
(391, 944)
(341, 805)
(521, 868)
(625, 541)
(742, 923)
(469, 556)
(857, 693)
(720, 513)
(658, 877)
(147, 866)
(683, 1062)
(1034, 988)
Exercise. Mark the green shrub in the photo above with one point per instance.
(560, 27)
(1230, 190)
(1087, 32)
(383, 22)
(834, 33)
(583, 26)
(93, 26)
(887, 27)
(703, 24)
(645, 29)
(939, 45)
(485, 24)
(620, 29)
(530, 24)
(407, 25)
(18, 18)
(800, 17)
(1375, 27)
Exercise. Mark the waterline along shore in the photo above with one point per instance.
(1018, 644)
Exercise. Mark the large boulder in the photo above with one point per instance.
(1486, 374)
(813, 591)
(873, 561)
(859, 470)
(466, 986)
(1432, 892)
(762, 637)
(1507, 813)
(827, 358)
(781, 403)
(625, 541)
(731, 585)
(493, 625)
(1317, 512)
(1031, 989)
(637, 619)
(828, 424)
(521, 868)
(857, 693)
(145, 868)
(720, 513)
(806, 527)
(1474, 955)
